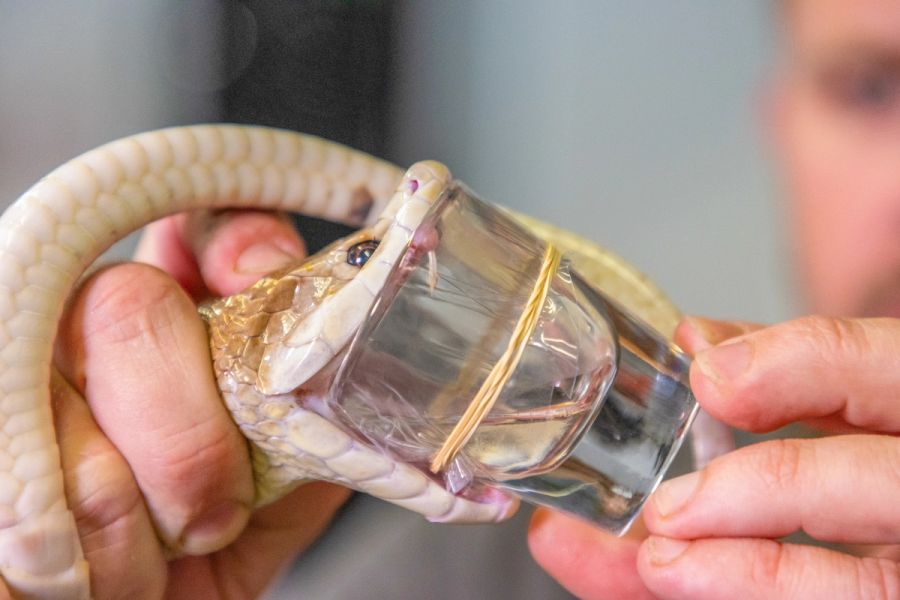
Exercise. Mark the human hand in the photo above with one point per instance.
(157, 474)
(714, 532)
(586, 560)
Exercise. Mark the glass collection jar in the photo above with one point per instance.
(589, 417)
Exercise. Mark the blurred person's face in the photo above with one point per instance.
(837, 122)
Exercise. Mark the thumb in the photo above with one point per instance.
(710, 438)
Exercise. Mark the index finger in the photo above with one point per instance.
(836, 489)
(219, 252)
(806, 369)
(588, 562)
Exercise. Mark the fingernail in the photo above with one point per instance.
(664, 551)
(674, 494)
(725, 363)
(215, 529)
(262, 258)
(704, 330)
(711, 331)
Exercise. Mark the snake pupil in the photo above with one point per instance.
(359, 254)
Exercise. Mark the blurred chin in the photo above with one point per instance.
(843, 293)
(882, 300)
(883, 308)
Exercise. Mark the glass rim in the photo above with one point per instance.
(385, 296)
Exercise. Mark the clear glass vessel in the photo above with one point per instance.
(591, 415)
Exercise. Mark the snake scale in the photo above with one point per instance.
(268, 343)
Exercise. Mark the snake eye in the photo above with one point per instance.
(359, 254)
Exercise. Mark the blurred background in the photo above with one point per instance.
(636, 124)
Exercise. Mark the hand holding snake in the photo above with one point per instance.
(157, 474)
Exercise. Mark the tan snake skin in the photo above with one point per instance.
(59, 226)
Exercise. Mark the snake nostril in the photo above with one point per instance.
(359, 254)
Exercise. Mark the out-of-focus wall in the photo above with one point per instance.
(74, 75)
(635, 124)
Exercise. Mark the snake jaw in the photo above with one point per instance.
(312, 344)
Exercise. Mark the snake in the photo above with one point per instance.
(272, 345)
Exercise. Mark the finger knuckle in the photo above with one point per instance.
(109, 500)
(831, 336)
(779, 464)
(878, 578)
(130, 303)
(783, 570)
(768, 569)
(236, 228)
(890, 453)
(111, 519)
(198, 460)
